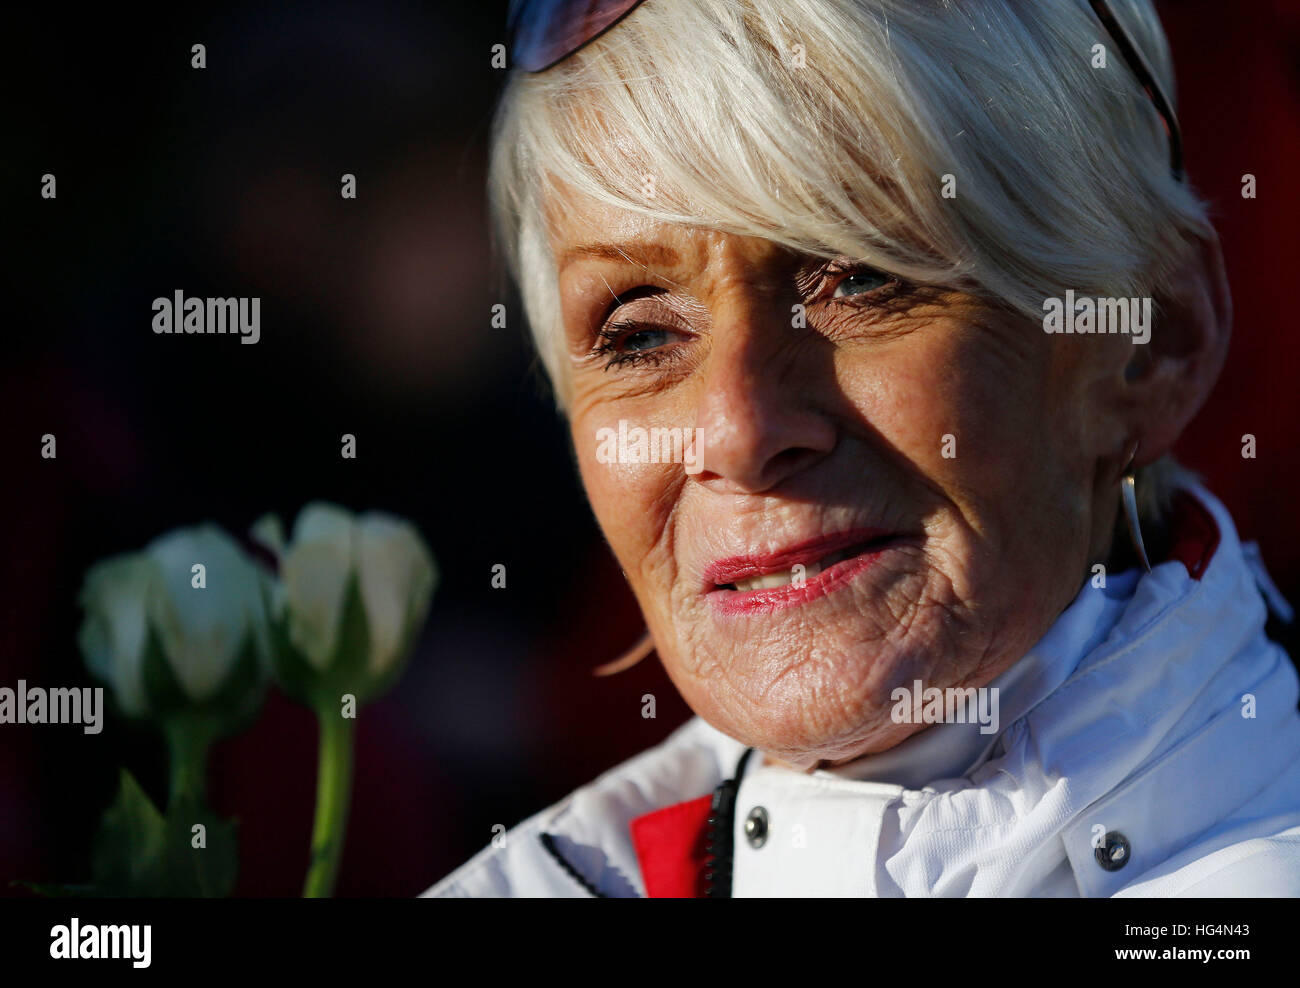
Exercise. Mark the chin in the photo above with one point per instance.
(802, 714)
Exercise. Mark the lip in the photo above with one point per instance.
(734, 568)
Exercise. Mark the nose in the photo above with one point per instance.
(757, 408)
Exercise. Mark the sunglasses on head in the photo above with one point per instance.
(543, 33)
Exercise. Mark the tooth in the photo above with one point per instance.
(768, 581)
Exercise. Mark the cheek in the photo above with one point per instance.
(998, 437)
(632, 501)
(986, 453)
(964, 411)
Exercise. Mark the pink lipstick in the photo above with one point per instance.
(768, 581)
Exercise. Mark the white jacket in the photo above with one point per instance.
(1129, 725)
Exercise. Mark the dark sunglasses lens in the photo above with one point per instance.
(544, 31)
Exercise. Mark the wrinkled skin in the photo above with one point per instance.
(840, 425)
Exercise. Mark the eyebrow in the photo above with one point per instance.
(641, 255)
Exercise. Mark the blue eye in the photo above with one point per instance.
(645, 339)
(861, 283)
(629, 343)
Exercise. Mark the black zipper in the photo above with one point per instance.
(721, 834)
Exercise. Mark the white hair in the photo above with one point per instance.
(829, 126)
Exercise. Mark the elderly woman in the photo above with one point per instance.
(924, 295)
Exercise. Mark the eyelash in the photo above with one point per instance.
(612, 333)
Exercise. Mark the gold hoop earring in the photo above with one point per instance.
(644, 646)
(1128, 498)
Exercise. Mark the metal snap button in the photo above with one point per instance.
(756, 827)
(1114, 851)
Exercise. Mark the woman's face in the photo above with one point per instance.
(943, 473)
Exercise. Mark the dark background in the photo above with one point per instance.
(376, 321)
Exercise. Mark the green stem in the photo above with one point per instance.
(187, 745)
(333, 792)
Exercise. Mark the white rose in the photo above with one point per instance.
(339, 644)
(203, 630)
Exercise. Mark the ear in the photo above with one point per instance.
(1169, 378)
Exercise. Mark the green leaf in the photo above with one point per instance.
(207, 871)
(130, 850)
(140, 852)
